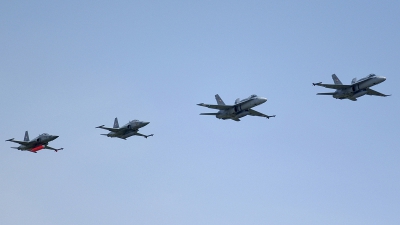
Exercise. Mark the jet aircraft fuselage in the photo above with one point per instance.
(36, 144)
(125, 131)
(356, 89)
(240, 109)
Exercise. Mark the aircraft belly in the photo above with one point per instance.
(359, 93)
(225, 114)
(112, 134)
(342, 94)
(23, 148)
(128, 134)
(242, 114)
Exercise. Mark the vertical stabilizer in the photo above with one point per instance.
(354, 80)
(219, 100)
(336, 79)
(237, 101)
(116, 125)
(26, 138)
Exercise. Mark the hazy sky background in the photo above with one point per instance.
(67, 67)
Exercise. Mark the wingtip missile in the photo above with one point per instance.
(271, 116)
(100, 126)
(149, 135)
(316, 83)
(201, 104)
(12, 139)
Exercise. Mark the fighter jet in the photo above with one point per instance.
(240, 109)
(356, 89)
(38, 143)
(125, 131)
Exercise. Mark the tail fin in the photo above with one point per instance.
(26, 138)
(354, 80)
(237, 101)
(116, 125)
(219, 100)
(336, 79)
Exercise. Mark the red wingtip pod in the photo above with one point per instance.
(35, 149)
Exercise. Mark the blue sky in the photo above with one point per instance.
(68, 67)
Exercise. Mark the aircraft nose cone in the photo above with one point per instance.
(55, 136)
(145, 123)
(263, 100)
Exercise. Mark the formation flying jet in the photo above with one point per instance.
(240, 109)
(38, 143)
(356, 89)
(125, 131)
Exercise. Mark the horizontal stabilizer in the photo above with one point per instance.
(220, 107)
(209, 114)
(18, 142)
(332, 86)
(111, 129)
(330, 93)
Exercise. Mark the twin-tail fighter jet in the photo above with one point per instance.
(125, 131)
(356, 89)
(240, 109)
(38, 143)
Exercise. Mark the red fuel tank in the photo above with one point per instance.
(35, 149)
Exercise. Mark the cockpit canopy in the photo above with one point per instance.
(371, 75)
(253, 96)
(45, 134)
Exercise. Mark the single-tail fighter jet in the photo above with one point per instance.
(125, 131)
(356, 89)
(240, 109)
(38, 143)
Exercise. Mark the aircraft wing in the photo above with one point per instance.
(143, 135)
(256, 113)
(55, 149)
(220, 107)
(19, 142)
(332, 86)
(373, 92)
